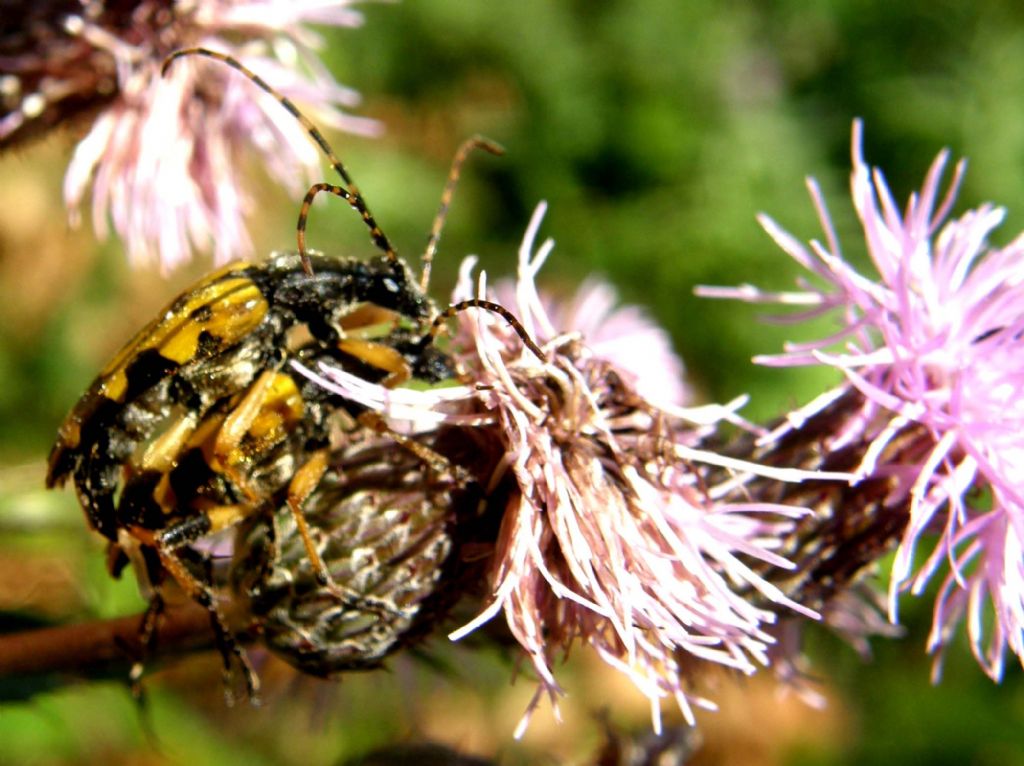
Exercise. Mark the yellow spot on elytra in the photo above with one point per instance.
(235, 306)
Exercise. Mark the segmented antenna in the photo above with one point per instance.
(349, 193)
(475, 142)
(496, 308)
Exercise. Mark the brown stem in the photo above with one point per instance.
(852, 527)
(88, 648)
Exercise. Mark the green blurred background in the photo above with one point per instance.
(656, 130)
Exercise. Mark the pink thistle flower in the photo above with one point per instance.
(931, 350)
(622, 335)
(162, 159)
(609, 537)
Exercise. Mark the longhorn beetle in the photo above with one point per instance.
(197, 422)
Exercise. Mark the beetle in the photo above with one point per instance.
(208, 379)
(197, 423)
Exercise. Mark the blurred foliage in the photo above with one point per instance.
(656, 129)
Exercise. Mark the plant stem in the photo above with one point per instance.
(91, 648)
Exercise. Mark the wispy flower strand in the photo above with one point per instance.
(930, 351)
(163, 158)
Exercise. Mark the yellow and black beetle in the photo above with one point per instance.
(198, 423)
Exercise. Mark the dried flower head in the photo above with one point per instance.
(931, 363)
(385, 527)
(162, 158)
(608, 537)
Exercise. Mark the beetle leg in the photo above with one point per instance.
(235, 427)
(271, 409)
(166, 544)
(165, 450)
(147, 641)
(305, 480)
(381, 356)
(302, 484)
(435, 460)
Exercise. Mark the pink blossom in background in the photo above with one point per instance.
(933, 341)
(163, 160)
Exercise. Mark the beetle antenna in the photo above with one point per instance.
(475, 142)
(496, 308)
(349, 192)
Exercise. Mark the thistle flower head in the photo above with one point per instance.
(608, 536)
(932, 343)
(623, 336)
(162, 158)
